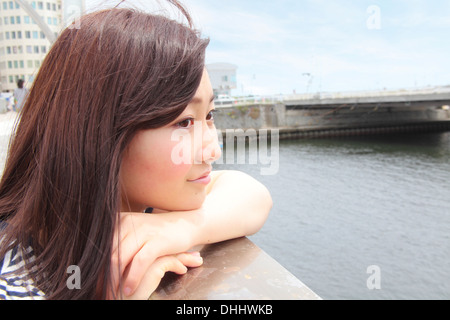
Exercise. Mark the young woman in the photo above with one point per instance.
(115, 104)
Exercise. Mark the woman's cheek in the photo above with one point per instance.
(177, 157)
(183, 146)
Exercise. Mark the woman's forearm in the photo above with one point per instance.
(237, 205)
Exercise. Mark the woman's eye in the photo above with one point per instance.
(210, 115)
(187, 123)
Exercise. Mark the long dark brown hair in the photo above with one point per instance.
(120, 71)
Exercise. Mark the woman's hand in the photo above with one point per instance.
(146, 244)
(152, 277)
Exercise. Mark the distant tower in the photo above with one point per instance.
(223, 77)
(27, 31)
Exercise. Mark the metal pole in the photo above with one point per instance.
(37, 18)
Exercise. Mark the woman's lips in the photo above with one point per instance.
(204, 179)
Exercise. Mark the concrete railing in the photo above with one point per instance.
(234, 270)
(377, 95)
(380, 95)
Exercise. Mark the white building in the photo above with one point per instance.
(24, 42)
(223, 77)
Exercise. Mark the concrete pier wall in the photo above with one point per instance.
(303, 118)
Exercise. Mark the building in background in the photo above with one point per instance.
(223, 78)
(24, 42)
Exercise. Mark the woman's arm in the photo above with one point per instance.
(237, 205)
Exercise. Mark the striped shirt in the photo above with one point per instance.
(14, 286)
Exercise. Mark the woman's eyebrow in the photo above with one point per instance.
(200, 100)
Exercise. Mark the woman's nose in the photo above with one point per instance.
(210, 150)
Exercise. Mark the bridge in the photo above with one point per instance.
(436, 96)
(336, 114)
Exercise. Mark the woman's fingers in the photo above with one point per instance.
(135, 244)
(139, 241)
(190, 259)
(138, 268)
(153, 275)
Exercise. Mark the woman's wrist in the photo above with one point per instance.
(186, 229)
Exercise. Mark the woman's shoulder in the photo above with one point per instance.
(14, 282)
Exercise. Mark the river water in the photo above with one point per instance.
(362, 217)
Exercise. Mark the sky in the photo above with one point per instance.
(310, 46)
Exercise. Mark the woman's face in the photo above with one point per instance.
(169, 168)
